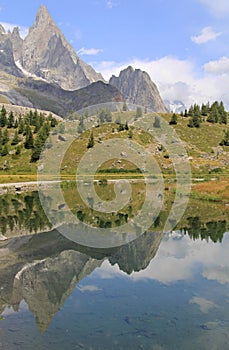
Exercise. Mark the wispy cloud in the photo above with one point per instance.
(91, 52)
(207, 34)
(10, 26)
(217, 8)
(220, 66)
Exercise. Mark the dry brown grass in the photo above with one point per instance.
(214, 188)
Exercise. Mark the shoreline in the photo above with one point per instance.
(18, 187)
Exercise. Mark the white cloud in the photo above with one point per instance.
(10, 26)
(205, 305)
(220, 66)
(91, 52)
(176, 260)
(220, 7)
(176, 79)
(207, 34)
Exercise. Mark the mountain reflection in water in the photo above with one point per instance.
(44, 269)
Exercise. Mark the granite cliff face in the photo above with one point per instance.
(137, 87)
(47, 54)
(7, 63)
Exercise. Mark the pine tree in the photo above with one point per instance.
(53, 122)
(196, 110)
(15, 139)
(196, 120)
(213, 115)
(191, 111)
(173, 120)
(4, 151)
(5, 137)
(190, 123)
(15, 124)
(204, 110)
(3, 118)
(222, 114)
(225, 141)
(10, 121)
(36, 151)
(21, 126)
(91, 141)
(28, 138)
(121, 127)
(18, 150)
(185, 113)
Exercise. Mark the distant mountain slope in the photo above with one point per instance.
(137, 87)
(39, 94)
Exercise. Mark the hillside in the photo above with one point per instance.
(202, 145)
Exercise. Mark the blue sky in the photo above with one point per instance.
(183, 45)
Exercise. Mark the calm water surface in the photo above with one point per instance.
(159, 292)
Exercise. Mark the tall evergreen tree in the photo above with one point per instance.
(91, 141)
(4, 151)
(15, 139)
(29, 143)
(5, 137)
(10, 121)
(173, 120)
(222, 114)
(225, 141)
(3, 117)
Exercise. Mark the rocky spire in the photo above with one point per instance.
(17, 43)
(138, 88)
(47, 54)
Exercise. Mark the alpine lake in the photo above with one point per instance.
(161, 291)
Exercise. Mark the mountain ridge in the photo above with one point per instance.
(138, 88)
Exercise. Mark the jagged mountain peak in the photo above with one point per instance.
(47, 54)
(43, 18)
(138, 88)
(16, 32)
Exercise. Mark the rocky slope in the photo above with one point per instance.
(137, 87)
(35, 93)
